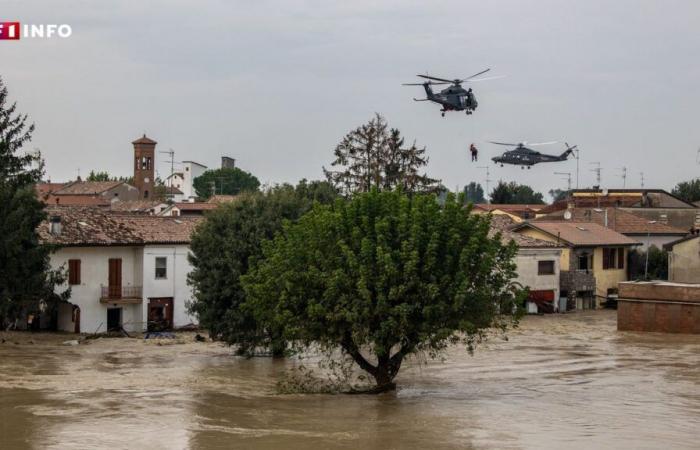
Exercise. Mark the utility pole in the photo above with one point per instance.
(488, 180)
(568, 179)
(641, 174)
(624, 176)
(597, 170)
(171, 153)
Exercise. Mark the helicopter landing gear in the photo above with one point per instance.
(501, 165)
(522, 167)
(529, 167)
(442, 111)
(469, 113)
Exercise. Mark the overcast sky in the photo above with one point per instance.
(277, 84)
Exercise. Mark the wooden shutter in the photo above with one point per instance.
(73, 271)
(621, 258)
(115, 277)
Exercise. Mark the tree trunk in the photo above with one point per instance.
(384, 372)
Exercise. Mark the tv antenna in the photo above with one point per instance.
(597, 170)
(488, 180)
(623, 175)
(568, 179)
(641, 174)
(171, 153)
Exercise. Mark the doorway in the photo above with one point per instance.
(160, 314)
(114, 319)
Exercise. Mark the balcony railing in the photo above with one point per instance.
(116, 293)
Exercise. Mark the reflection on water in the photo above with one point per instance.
(559, 382)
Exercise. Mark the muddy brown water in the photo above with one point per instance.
(569, 382)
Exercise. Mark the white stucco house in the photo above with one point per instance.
(125, 271)
(183, 181)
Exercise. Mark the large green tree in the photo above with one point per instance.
(222, 249)
(227, 181)
(382, 276)
(373, 156)
(474, 193)
(521, 194)
(688, 190)
(26, 279)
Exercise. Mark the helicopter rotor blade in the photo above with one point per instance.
(495, 77)
(412, 84)
(476, 75)
(503, 143)
(435, 78)
(536, 144)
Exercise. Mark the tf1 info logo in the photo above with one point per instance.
(12, 31)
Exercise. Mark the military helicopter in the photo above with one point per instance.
(523, 156)
(453, 98)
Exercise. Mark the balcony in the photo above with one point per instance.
(124, 295)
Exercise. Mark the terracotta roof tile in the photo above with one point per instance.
(196, 206)
(503, 224)
(580, 233)
(87, 226)
(621, 221)
(144, 140)
(87, 187)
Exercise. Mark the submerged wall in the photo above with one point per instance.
(659, 306)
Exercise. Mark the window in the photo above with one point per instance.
(145, 194)
(161, 267)
(585, 262)
(545, 267)
(613, 258)
(73, 271)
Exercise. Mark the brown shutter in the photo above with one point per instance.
(73, 271)
(115, 277)
(621, 258)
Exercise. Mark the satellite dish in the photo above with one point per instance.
(567, 215)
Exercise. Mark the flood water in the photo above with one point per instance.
(570, 382)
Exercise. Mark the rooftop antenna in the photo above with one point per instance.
(577, 150)
(488, 180)
(641, 174)
(568, 179)
(597, 170)
(624, 176)
(171, 153)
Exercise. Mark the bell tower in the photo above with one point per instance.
(144, 166)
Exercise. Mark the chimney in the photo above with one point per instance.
(228, 163)
(55, 225)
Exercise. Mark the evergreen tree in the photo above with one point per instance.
(505, 193)
(227, 181)
(688, 190)
(223, 248)
(26, 279)
(474, 193)
(374, 157)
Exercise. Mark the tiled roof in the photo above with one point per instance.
(135, 205)
(172, 190)
(87, 226)
(508, 206)
(44, 189)
(195, 206)
(87, 187)
(76, 200)
(621, 221)
(144, 140)
(503, 224)
(580, 233)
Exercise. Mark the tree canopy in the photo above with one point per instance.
(227, 181)
(223, 247)
(688, 190)
(474, 193)
(373, 156)
(384, 275)
(505, 193)
(105, 176)
(26, 279)
(558, 194)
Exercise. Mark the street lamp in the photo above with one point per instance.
(646, 263)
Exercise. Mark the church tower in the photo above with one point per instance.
(144, 166)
